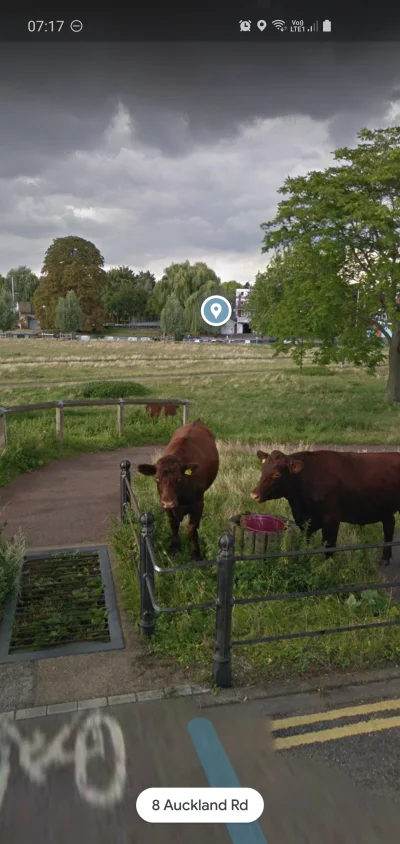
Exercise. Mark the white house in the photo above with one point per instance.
(241, 312)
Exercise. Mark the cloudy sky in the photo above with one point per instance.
(167, 152)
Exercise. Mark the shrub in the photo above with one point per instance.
(112, 390)
(11, 556)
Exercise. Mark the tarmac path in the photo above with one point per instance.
(70, 501)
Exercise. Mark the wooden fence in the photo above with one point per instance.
(60, 406)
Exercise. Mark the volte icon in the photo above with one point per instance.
(261, 25)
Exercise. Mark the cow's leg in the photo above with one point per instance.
(174, 523)
(388, 530)
(194, 522)
(330, 530)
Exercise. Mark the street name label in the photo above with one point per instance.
(200, 805)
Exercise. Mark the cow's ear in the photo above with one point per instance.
(263, 456)
(146, 469)
(295, 466)
(189, 468)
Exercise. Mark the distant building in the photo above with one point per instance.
(25, 316)
(242, 313)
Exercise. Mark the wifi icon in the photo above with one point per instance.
(279, 24)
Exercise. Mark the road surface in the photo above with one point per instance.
(76, 777)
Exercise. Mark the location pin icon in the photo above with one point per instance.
(216, 309)
(261, 25)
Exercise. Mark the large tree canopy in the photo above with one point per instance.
(71, 263)
(345, 224)
(182, 280)
(127, 295)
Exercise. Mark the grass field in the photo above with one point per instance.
(247, 397)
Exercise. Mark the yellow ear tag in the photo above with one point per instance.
(264, 460)
(188, 471)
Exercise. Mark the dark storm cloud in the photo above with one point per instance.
(173, 151)
(55, 98)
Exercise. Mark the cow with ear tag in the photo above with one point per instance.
(325, 488)
(279, 476)
(183, 474)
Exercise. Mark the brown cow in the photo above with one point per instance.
(155, 409)
(186, 470)
(325, 488)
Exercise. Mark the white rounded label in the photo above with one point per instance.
(200, 805)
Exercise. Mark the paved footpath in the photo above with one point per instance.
(76, 777)
(70, 501)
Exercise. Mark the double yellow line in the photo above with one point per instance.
(358, 728)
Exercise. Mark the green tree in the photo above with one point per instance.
(7, 312)
(323, 312)
(183, 279)
(126, 294)
(25, 283)
(173, 318)
(69, 314)
(146, 279)
(194, 322)
(230, 287)
(347, 219)
(72, 263)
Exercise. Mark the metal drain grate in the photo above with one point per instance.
(65, 605)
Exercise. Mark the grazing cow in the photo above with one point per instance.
(186, 470)
(325, 488)
(155, 409)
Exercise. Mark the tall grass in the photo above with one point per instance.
(11, 557)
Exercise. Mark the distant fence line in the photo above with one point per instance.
(148, 567)
(59, 407)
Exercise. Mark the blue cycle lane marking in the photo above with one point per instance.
(220, 774)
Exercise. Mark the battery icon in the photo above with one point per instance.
(326, 26)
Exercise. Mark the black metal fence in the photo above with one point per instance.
(224, 599)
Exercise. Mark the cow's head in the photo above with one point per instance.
(172, 478)
(276, 475)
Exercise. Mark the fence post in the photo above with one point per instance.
(3, 428)
(125, 496)
(120, 417)
(60, 422)
(186, 413)
(222, 662)
(147, 614)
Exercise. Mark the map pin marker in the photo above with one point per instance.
(261, 25)
(216, 309)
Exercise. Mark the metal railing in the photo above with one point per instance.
(224, 599)
(59, 407)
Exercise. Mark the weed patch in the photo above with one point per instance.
(61, 601)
